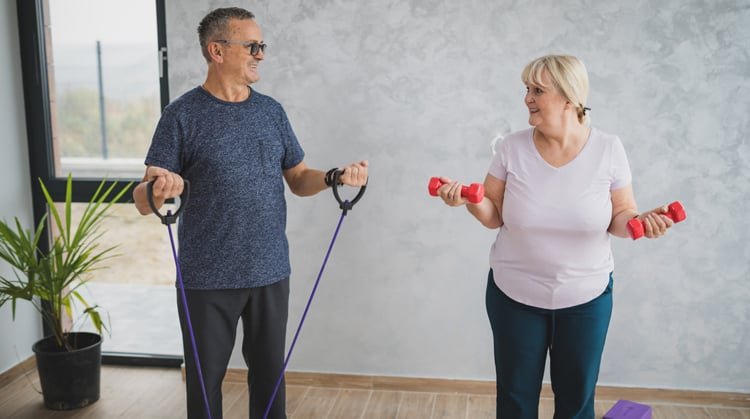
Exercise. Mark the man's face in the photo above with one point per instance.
(238, 64)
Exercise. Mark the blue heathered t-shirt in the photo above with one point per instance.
(232, 232)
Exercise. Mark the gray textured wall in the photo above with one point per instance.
(420, 88)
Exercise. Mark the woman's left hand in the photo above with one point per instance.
(656, 222)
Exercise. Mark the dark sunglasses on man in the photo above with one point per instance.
(254, 47)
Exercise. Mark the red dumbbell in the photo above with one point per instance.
(475, 192)
(676, 212)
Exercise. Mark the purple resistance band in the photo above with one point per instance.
(345, 206)
(304, 314)
(187, 318)
(168, 220)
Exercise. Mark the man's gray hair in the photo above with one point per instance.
(215, 25)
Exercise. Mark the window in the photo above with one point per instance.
(99, 82)
(105, 77)
(95, 82)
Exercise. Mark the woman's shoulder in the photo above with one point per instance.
(514, 139)
(605, 141)
(604, 136)
(521, 135)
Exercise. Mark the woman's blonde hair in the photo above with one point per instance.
(568, 75)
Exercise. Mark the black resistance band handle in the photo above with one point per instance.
(345, 205)
(169, 218)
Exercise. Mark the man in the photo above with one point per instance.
(236, 147)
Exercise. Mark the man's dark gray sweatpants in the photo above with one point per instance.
(214, 315)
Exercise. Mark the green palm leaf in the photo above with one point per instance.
(55, 276)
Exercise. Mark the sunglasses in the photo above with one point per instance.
(253, 46)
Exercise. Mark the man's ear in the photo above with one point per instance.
(215, 52)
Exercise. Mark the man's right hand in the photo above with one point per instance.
(166, 185)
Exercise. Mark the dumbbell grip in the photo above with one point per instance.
(675, 212)
(465, 191)
(474, 193)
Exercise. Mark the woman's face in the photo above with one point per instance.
(545, 104)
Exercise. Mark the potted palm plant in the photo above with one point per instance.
(50, 278)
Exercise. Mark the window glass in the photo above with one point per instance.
(104, 85)
(135, 288)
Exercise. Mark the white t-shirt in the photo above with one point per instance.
(553, 250)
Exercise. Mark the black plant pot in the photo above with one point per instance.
(70, 379)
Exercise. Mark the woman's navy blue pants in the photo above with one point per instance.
(524, 335)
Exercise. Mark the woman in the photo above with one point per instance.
(556, 191)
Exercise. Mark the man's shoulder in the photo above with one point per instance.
(185, 100)
(265, 100)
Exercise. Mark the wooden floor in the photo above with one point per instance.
(150, 393)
